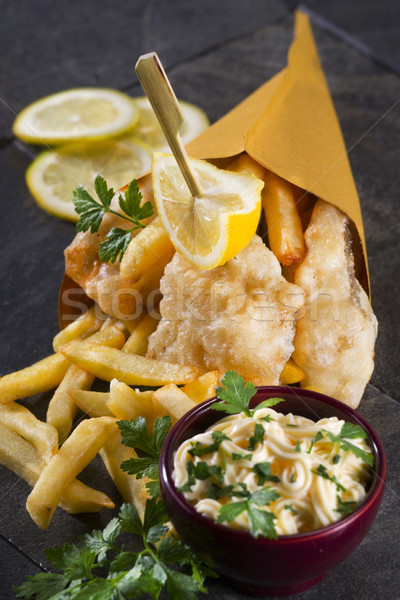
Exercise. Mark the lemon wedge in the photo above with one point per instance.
(211, 229)
(54, 174)
(77, 114)
(149, 130)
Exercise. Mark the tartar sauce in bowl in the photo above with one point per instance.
(275, 474)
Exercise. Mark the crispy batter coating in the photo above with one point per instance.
(238, 316)
(334, 343)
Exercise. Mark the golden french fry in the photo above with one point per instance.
(150, 248)
(203, 387)
(39, 377)
(126, 403)
(132, 323)
(245, 164)
(110, 363)
(285, 231)
(81, 327)
(19, 456)
(41, 435)
(173, 401)
(93, 404)
(131, 489)
(137, 341)
(291, 373)
(74, 455)
(62, 409)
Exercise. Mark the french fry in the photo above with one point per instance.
(74, 455)
(173, 401)
(291, 373)
(203, 387)
(41, 435)
(131, 489)
(19, 456)
(93, 404)
(62, 409)
(110, 363)
(150, 248)
(81, 327)
(285, 231)
(39, 377)
(138, 340)
(245, 164)
(126, 403)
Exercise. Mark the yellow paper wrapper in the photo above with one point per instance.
(289, 125)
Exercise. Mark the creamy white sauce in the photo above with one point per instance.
(307, 501)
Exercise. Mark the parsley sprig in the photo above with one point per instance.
(91, 213)
(350, 431)
(236, 396)
(98, 567)
(261, 521)
(136, 434)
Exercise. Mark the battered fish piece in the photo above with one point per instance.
(116, 295)
(238, 316)
(334, 343)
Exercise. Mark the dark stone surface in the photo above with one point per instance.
(214, 57)
(373, 27)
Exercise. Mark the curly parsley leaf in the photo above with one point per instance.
(126, 574)
(350, 431)
(115, 245)
(199, 450)
(261, 521)
(131, 204)
(91, 213)
(345, 508)
(257, 437)
(322, 471)
(236, 396)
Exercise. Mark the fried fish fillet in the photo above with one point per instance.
(103, 282)
(334, 342)
(238, 316)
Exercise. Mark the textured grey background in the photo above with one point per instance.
(215, 53)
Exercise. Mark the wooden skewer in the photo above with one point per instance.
(166, 107)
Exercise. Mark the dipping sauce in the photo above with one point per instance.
(305, 475)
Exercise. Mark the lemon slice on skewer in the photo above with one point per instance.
(54, 175)
(211, 229)
(149, 130)
(76, 114)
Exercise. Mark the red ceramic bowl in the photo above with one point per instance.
(292, 563)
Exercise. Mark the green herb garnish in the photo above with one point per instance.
(297, 446)
(345, 508)
(199, 450)
(291, 508)
(96, 567)
(317, 437)
(257, 437)
(322, 471)
(263, 470)
(236, 396)
(91, 213)
(350, 431)
(135, 434)
(261, 521)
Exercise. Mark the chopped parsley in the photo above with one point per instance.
(322, 471)
(236, 396)
(199, 450)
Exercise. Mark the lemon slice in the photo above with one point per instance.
(77, 114)
(213, 228)
(149, 130)
(54, 175)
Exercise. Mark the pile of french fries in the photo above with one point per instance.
(50, 455)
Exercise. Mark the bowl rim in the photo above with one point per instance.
(378, 471)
